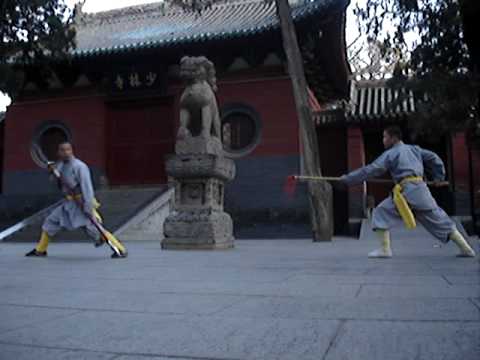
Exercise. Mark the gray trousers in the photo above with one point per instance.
(64, 218)
(426, 211)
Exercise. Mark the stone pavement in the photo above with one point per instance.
(270, 299)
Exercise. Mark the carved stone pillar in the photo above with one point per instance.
(198, 220)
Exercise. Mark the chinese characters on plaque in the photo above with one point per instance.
(136, 80)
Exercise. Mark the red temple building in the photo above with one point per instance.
(355, 135)
(117, 101)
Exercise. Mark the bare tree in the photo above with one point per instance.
(369, 59)
(320, 193)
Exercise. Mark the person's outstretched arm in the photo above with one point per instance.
(87, 189)
(433, 165)
(372, 170)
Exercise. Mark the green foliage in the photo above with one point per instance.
(437, 63)
(33, 32)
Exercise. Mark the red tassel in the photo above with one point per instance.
(290, 185)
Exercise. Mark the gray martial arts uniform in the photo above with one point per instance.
(403, 161)
(69, 215)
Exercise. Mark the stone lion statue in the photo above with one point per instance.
(198, 105)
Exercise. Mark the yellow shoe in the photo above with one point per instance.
(465, 248)
(385, 251)
(41, 248)
(380, 253)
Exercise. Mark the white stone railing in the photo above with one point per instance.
(147, 224)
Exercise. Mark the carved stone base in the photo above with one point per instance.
(199, 145)
(198, 230)
(189, 244)
(200, 166)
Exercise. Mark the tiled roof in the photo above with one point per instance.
(371, 101)
(152, 25)
(374, 99)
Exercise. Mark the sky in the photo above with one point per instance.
(102, 5)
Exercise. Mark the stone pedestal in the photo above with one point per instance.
(198, 220)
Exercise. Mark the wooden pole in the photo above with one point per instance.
(376, 181)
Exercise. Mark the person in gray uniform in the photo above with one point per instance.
(411, 199)
(79, 207)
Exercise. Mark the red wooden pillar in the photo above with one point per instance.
(474, 158)
(476, 174)
(460, 174)
(2, 134)
(356, 159)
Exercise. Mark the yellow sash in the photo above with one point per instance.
(96, 205)
(402, 204)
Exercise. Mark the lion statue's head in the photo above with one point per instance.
(196, 69)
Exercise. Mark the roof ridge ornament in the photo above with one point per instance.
(78, 14)
(161, 8)
(118, 15)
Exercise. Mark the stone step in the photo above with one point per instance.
(117, 207)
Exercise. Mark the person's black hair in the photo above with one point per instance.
(394, 131)
(65, 143)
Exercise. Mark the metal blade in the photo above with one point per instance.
(38, 156)
(32, 220)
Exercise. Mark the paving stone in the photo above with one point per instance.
(288, 299)
(406, 340)
(149, 357)
(218, 337)
(419, 291)
(425, 309)
(19, 352)
(121, 301)
(114, 289)
(476, 301)
(473, 279)
(14, 317)
(320, 279)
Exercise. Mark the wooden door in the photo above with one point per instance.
(140, 135)
(441, 146)
(2, 135)
(372, 140)
(332, 143)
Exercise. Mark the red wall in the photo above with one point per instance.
(356, 153)
(2, 137)
(273, 100)
(476, 177)
(84, 116)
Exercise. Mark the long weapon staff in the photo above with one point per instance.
(46, 164)
(291, 182)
